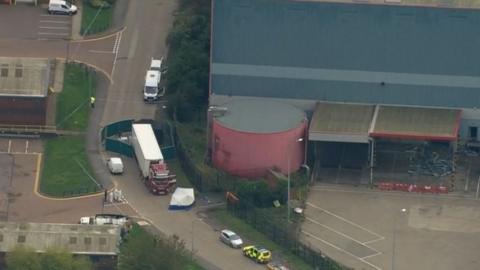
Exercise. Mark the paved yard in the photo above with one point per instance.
(369, 230)
(19, 171)
(35, 23)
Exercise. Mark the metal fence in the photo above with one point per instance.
(286, 237)
(111, 134)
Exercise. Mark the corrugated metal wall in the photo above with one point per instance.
(252, 154)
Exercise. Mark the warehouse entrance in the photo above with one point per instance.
(368, 144)
(341, 142)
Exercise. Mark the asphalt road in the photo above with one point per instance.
(122, 57)
(147, 26)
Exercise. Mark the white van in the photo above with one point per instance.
(61, 7)
(151, 91)
(115, 165)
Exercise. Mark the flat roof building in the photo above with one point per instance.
(24, 84)
(76, 238)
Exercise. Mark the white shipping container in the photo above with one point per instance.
(145, 146)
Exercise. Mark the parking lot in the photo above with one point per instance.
(20, 164)
(33, 23)
(368, 229)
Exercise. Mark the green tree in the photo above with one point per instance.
(188, 60)
(23, 258)
(141, 251)
(59, 259)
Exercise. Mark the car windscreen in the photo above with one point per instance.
(150, 90)
(234, 237)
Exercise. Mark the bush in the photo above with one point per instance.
(260, 194)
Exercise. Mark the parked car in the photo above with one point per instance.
(276, 266)
(258, 254)
(230, 238)
(61, 7)
(115, 165)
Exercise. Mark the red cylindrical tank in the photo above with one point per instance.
(250, 150)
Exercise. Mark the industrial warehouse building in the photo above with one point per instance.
(100, 242)
(24, 90)
(370, 77)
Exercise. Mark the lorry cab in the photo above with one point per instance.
(160, 181)
(151, 90)
(61, 7)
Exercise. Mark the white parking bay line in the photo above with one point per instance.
(48, 15)
(343, 250)
(62, 22)
(340, 233)
(345, 220)
(54, 34)
(53, 27)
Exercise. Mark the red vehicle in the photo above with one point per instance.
(160, 181)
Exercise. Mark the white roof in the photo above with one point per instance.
(156, 64)
(147, 141)
(228, 232)
(153, 78)
(116, 160)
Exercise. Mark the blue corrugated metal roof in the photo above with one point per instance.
(346, 52)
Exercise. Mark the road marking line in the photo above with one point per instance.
(116, 54)
(370, 256)
(9, 146)
(58, 34)
(344, 219)
(48, 15)
(26, 147)
(340, 249)
(54, 27)
(373, 241)
(63, 22)
(340, 233)
(97, 51)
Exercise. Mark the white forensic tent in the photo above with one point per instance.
(182, 199)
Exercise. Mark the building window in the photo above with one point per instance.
(4, 70)
(73, 240)
(87, 241)
(473, 133)
(103, 241)
(18, 71)
(21, 239)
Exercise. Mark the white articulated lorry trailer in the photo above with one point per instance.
(146, 147)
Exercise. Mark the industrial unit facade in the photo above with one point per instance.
(363, 72)
(24, 90)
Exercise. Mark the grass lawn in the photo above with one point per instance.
(101, 22)
(62, 173)
(175, 168)
(194, 138)
(248, 232)
(73, 107)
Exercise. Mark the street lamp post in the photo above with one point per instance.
(288, 178)
(403, 210)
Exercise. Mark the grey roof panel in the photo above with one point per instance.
(346, 36)
(260, 116)
(342, 52)
(344, 91)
